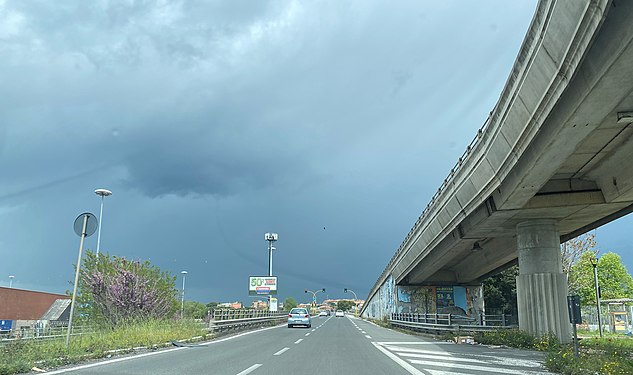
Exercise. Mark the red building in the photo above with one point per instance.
(19, 304)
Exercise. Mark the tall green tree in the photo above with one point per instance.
(500, 291)
(344, 304)
(613, 278)
(195, 310)
(571, 253)
(290, 303)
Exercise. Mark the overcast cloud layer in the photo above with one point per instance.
(331, 123)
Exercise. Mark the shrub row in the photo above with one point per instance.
(607, 356)
(22, 355)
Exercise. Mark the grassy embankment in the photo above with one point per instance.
(22, 355)
(612, 355)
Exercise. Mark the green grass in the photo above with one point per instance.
(608, 356)
(516, 338)
(22, 355)
(612, 355)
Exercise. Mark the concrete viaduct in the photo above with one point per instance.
(553, 160)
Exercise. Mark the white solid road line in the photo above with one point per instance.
(250, 369)
(414, 343)
(460, 366)
(113, 361)
(402, 363)
(62, 371)
(440, 357)
(282, 351)
(298, 341)
(402, 349)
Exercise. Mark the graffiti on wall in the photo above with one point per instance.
(458, 300)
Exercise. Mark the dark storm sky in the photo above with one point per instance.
(331, 123)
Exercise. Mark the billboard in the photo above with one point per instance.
(273, 304)
(262, 285)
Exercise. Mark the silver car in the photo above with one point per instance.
(299, 317)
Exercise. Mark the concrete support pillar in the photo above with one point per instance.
(541, 284)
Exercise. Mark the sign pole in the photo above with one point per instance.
(78, 267)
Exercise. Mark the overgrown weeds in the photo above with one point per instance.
(22, 355)
(607, 356)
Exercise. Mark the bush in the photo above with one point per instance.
(564, 362)
(22, 355)
(514, 338)
(608, 356)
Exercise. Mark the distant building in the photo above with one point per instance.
(24, 310)
(19, 304)
(260, 305)
(231, 305)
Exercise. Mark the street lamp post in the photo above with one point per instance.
(314, 296)
(102, 193)
(11, 277)
(182, 300)
(594, 263)
(270, 237)
(355, 299)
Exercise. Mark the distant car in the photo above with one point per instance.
(323, 313)
(299, 317)
(339, 313)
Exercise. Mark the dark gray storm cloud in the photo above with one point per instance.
(213, 122)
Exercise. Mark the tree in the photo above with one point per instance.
(344, 305)
(613, 278)
(195, 310)
(572, 250)
(500, 291)
(290, 303)
(212, 306)
(114, 290)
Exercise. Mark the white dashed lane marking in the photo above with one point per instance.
(298, 341)
(282, 351)
(250, 369)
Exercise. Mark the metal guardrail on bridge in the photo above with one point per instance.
(224, 320)
(450, 322)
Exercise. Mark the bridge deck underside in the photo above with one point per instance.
(575, 167)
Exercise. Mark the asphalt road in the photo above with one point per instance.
(332, 346)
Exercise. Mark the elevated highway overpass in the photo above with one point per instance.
(553, 160)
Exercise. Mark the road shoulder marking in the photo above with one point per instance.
(412, 370)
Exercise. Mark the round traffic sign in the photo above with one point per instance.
(91, 225)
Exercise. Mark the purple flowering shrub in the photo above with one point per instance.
(115, 290)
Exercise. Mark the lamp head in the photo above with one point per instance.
(103, 192)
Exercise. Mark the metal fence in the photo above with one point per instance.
(229, 314)
(231, 320)
(222, 321)
(43, 333)
(451, 322)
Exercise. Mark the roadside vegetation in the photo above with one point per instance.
(22, 355)
(607, 356)
(129, 304)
